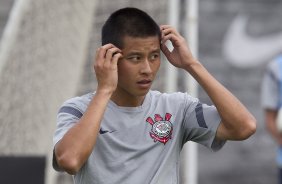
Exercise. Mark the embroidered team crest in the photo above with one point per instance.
(161, 128)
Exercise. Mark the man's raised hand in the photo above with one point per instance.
(105, 66)
(181, 55)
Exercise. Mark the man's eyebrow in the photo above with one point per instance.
(134, 53)
(140, 53)
(157, 50)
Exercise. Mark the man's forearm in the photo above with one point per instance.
(270, 120)
(237, 120)
(77, 144)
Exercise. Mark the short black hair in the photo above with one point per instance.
(131, 22)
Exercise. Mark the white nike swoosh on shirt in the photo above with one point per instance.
(243, 50)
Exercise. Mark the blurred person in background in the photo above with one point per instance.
(126, 133)
(271, 97)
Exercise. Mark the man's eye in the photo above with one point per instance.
(154, 56)
(134, 58)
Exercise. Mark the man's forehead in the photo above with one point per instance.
(137, 43)
(141, 39)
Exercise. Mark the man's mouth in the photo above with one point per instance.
(146, 83)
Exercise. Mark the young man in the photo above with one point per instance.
(272, 104)
(126, 133)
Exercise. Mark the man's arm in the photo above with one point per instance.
(74, 148)
(237, 123)
(270, 121)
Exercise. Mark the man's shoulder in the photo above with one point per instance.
(79, 101)
(275, 63)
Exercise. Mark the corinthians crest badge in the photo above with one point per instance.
(161, 128)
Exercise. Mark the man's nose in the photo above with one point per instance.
(146, 67)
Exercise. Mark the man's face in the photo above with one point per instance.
(138, 67)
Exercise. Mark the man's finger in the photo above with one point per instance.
(110, 53)
(116, 58)
(165, 50)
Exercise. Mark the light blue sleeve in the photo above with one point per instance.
(270, 87)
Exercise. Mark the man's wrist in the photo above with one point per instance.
(104, 93)
(191, 67)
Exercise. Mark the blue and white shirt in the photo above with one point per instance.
(271, 93)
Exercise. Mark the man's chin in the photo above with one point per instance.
(143, 92)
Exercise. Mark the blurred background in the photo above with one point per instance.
(46, 51)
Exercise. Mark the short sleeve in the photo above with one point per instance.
(67, 116)
(200, 123)
(270, 88)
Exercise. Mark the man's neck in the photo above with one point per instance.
(127, 100)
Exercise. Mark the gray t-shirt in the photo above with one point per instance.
(142, 145)
(271, 88)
